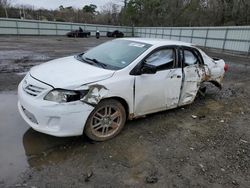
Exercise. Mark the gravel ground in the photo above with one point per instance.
(166, 149)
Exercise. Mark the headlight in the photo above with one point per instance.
(62, 96)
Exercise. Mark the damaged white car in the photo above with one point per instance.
(97, 91)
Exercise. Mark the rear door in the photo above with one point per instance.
(193, 71)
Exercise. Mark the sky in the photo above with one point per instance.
(54, 4)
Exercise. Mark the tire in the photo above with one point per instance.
(201, 92)
(106, 120)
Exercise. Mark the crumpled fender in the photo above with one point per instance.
(95, 95)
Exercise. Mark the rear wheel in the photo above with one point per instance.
(106, 121)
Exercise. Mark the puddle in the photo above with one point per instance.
(20, 60)
(41, 149)
(12, 128)
(20, 146)
(21, 73)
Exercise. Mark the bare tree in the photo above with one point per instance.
(109, 13)
(5, 4)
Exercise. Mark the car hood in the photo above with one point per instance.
(69, 73)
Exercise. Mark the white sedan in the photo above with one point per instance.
(97, 91)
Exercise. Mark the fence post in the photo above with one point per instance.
(180, 34)
(192, 35)
(225, 38)
(17, 30)
(56, 29)
(38, 28)
(206, 37)
(171, 33)
(248, 54)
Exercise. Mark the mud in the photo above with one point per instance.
(167, 149)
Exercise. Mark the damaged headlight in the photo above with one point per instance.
(63, 96)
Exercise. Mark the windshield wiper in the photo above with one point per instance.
(103, 65)
(79, 57)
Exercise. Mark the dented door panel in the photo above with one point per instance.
(157, 92)
(173, 87)
(149, 93)
(192, 78)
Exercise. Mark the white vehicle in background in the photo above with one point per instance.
(97, 91)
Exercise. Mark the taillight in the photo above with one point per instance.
(226, 67)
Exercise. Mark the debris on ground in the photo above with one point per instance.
(244, 141)
(88, 176)
(235, 182)
(202, 167)
(194, 116)
(152, 178)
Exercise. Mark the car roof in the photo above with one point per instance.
(160, 42)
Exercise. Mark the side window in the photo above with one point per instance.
(189, 58)
(162, 59)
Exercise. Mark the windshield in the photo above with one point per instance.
(115, 54)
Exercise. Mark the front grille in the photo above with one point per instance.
(33, 90)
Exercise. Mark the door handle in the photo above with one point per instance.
(177, 76)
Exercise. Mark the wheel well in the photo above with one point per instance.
(217, 84)
(123, 102)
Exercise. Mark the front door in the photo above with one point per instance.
(159, 91)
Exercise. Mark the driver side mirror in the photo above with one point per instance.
(148, 69)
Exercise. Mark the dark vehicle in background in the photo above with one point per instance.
(115, 34)
(78, 33)
(97, 34)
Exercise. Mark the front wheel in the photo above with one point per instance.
(106, 120)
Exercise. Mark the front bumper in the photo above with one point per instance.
(57, 119)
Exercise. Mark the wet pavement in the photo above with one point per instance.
(12, 128)
(169, 148)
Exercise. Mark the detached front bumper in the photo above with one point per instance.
(57, 119)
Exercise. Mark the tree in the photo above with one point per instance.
(109, 14)
(61, 8)
(143, 12)
(5, 4)
(90, 8)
